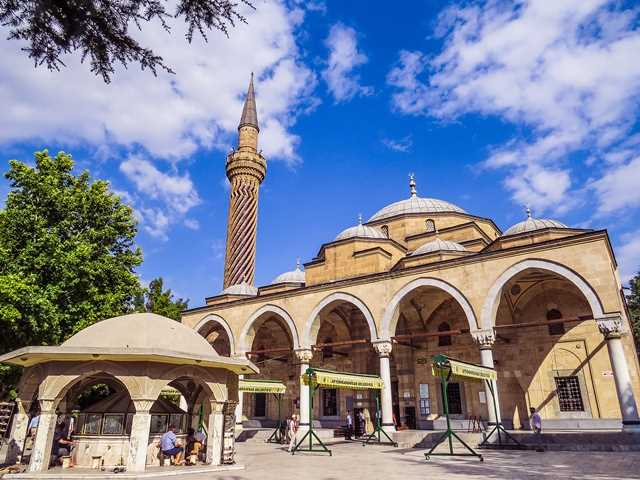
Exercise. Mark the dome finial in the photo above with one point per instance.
(298, 263)
(528, 211)
(412, 185)
(359, 219)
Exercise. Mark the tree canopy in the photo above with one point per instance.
(67, 255)
(100, 30)
(157, 300)
(633, 302)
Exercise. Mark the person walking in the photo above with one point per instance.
(535, 421)
(294, 423)
(349, 431)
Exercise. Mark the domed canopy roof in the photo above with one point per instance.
(438, 245)
(294, 276)
(415, 204)
(361, 231)
(240, 289)
(141, 330)
(531, 224)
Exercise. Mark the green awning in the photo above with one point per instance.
(262, 386)
(351, 381)
(462, 369)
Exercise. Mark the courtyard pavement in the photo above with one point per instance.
(352, 461)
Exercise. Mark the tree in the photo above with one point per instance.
(633, 302)
(156, 300)
(100, 29)
(67, 255)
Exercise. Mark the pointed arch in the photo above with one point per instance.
(246, 336)
(312, 325)
(213, 318)
(492, 301)
(390, 318)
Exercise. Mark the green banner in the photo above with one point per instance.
(350, 381)
(461, 369)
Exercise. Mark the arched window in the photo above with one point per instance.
(555, 328)
(385, 230)
(444, 340)
(431, 225)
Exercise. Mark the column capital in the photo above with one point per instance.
(217, 407)
(610, 326)
(304, 355)
(23, 406)
(142, 405)
(383, 348)
(47, 405)
(485, 338)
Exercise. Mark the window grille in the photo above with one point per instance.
(431, 225)
(569, 394)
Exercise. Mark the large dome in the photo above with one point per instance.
(531, 224)
(438, 245)
(141, 331)
(415, 205)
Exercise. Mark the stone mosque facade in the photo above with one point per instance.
(541, 302)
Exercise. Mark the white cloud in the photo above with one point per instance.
(172, 115)
(565, 70)
(167, 197)
(402, 145)
(344, 57)
(628, 254)
(619, 187)
(192, 224)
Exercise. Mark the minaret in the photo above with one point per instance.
(246, 169)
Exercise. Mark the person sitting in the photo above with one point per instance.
(62, 444)
(169, 445)
(194, 445)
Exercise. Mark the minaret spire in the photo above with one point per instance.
(246, 169)
(249, 111)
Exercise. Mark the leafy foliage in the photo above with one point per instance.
(67, 255)
(633, 302)
(99, 29)
(156, 300)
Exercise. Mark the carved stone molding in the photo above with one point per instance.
(142, 405)
(383, 349)
(610, 326)
(485, 338)
(47, 406)
(304, 355)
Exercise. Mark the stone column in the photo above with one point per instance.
(384, 351)
(215, 429)
(485, 340)
(139, 437)
(18, 432)
(304, 357)
(41, 453)
(611, 328)
(239, 407)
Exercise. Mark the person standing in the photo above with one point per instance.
(293, 430)
(349, 431)
(535, 421)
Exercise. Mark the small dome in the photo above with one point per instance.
(240, 289)
(140, 331)
(361, 231)
(294, 276)
(531, 224)
(438, 245)
(415, 204)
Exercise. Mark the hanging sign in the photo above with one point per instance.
(351, 381)
(261, 386)
(462, 369)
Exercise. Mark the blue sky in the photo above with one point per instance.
(493, 105)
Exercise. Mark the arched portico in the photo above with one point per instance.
(312, 325)
(390, 319)
(249, 330)
(490, 306)
(211, 320)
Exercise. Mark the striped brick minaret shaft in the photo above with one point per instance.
(246, 169)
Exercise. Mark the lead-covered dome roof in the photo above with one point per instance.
(531, 224)
(415, 204)
(361, 231)
(438, 245)
(294, 276)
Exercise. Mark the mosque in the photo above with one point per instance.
(541, 302)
